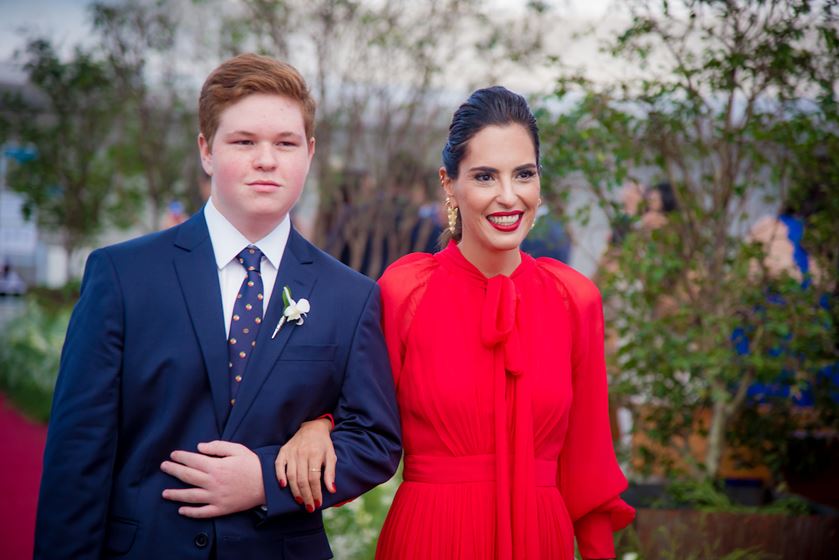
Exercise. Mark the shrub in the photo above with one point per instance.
(30, 349)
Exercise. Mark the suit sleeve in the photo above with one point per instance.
(367, 435)
(590, 478)
(82, 436)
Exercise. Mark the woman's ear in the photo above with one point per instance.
(446, 183)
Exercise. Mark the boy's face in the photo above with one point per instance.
(258, 160)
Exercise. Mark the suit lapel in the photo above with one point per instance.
(197, 275)
(295, 272)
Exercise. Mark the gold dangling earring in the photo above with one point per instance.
(536, 215)
(451, 211)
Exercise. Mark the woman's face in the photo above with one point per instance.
(654, 201)
(497, 189)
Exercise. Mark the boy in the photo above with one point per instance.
(174, 346)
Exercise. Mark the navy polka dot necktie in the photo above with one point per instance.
(247, 317)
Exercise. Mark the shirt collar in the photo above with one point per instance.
(228, 241)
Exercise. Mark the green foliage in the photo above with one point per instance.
(30, 348)
(354, 528)
(702, 495)
(707, 495)
(55, 300)
(739, 104)
(109, 143)
(157, 125)
(68, 185)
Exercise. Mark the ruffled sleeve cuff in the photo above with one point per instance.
(594, 531)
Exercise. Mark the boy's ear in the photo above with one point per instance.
(311, 148)
(206, 155)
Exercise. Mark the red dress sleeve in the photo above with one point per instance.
(402, 286)
(590, 479)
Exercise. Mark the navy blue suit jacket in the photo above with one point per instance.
(144, 372)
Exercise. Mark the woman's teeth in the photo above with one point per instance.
(504, 220)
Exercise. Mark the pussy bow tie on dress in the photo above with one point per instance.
(498, 321)
(514, 457)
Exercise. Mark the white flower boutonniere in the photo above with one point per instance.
(293, 310)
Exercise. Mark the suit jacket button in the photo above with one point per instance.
(201, 540)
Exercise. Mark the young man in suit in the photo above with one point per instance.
(177, 389)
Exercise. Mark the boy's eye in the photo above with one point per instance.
(243, 142)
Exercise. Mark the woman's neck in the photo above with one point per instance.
(491, 263)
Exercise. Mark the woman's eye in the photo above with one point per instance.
(527, 174)
(483, 177)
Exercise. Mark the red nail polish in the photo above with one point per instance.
(309, 508)
(317, 504)
(282, 484)
(298, 499)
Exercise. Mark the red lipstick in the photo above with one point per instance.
(506, 225)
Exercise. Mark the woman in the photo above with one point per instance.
(498, 361)
(661, 201)
(499, 369)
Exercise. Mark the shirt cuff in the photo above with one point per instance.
(594, 536)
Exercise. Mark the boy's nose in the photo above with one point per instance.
(264, 157)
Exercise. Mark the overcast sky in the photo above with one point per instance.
(66, 23)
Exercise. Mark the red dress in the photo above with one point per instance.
(501, 385)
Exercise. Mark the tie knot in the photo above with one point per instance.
(250, 257)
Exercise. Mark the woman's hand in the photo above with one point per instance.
(303, 459)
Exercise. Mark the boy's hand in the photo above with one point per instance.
(226, 478)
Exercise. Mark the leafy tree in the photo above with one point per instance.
(378, 70)
(69, 186)
(157, 133)
(729, 102)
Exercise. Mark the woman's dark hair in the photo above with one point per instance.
(492, 106)
(668, 197)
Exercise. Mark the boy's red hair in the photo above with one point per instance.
(247, 74)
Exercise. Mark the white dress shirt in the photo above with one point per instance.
(228, 242)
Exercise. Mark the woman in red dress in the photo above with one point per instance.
(499, 368)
